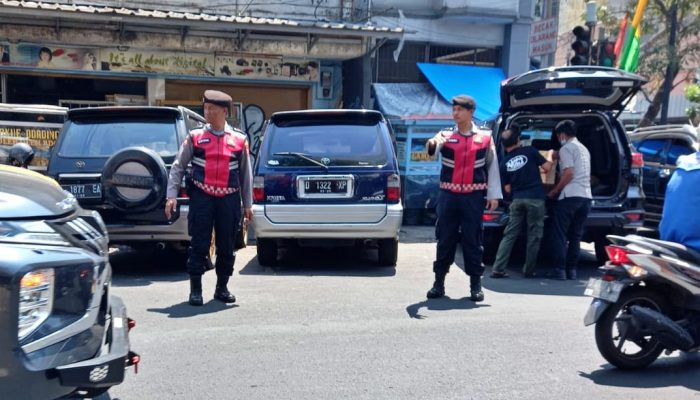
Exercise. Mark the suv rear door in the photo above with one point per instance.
(338, 163)
(91, 136)
(570, 88)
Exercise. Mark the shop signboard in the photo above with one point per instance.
(49, 57)
(250, 66)
(225, 65)
(157, 62)
(36, 125)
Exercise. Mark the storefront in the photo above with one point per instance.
(76, 56)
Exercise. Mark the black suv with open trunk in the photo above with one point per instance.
(593, 97)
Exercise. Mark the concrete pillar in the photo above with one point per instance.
(155, 91)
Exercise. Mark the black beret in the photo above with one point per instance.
(464, 101)
(218, 98)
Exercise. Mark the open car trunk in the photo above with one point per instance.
(594, 132)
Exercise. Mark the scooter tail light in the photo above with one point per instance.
(618, 255)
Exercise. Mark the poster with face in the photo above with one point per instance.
(44, 56)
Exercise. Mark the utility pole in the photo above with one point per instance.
(668, 81)
(591, 21)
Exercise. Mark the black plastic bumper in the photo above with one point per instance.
(108, 368)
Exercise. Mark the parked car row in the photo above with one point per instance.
(331, 176)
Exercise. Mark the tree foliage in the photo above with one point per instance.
(656, 54)
(692, 93)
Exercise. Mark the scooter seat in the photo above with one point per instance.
(683, 252)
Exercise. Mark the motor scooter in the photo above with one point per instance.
(647, 301)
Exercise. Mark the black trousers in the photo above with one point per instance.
(460, 220)
(569, 217)
(220, 214)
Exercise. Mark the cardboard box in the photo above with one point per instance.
(549, 178)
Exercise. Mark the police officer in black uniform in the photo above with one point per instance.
(469, 183)
(219, 179)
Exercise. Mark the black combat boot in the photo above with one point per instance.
(438, 289)
(196, 290)
(221, 293)
(475, 288)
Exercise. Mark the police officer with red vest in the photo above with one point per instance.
(220, 178)
(469, 183)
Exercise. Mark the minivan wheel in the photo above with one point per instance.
(388, 252)
(267, 252)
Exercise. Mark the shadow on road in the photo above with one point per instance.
(313, 261)
(680, 370)
(141, 268)
(442, 304)
(184, 310)
(540, 285)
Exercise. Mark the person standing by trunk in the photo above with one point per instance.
(573, 192)
(520, 174)
(469, 183)
(219, 180)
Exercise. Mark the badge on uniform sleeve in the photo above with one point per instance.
(478, 138)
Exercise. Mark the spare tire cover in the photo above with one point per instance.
(134, 179)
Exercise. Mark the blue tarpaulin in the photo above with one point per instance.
(482, 83)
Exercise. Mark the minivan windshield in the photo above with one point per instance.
(102, 138)
(334, 145)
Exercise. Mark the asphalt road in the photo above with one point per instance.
(330, 324)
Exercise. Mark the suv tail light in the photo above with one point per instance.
(258, 189)
(393, 188)
(618, 255)
(633, 216)
(637, 160)
(488, 216)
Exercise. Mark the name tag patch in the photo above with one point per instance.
(203, 141)
(452, 140)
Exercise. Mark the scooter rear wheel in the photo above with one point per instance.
(617, 342)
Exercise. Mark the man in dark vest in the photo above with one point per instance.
(219, 180)
(469, 183)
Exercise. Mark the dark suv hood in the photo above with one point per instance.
(570, 88)
(27, 194)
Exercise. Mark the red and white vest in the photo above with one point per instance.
(216, 160)
(464, 168)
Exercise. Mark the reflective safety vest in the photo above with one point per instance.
(464, 167)
(216, 159)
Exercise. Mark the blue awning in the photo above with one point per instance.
(415, 101)
(482, 83)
